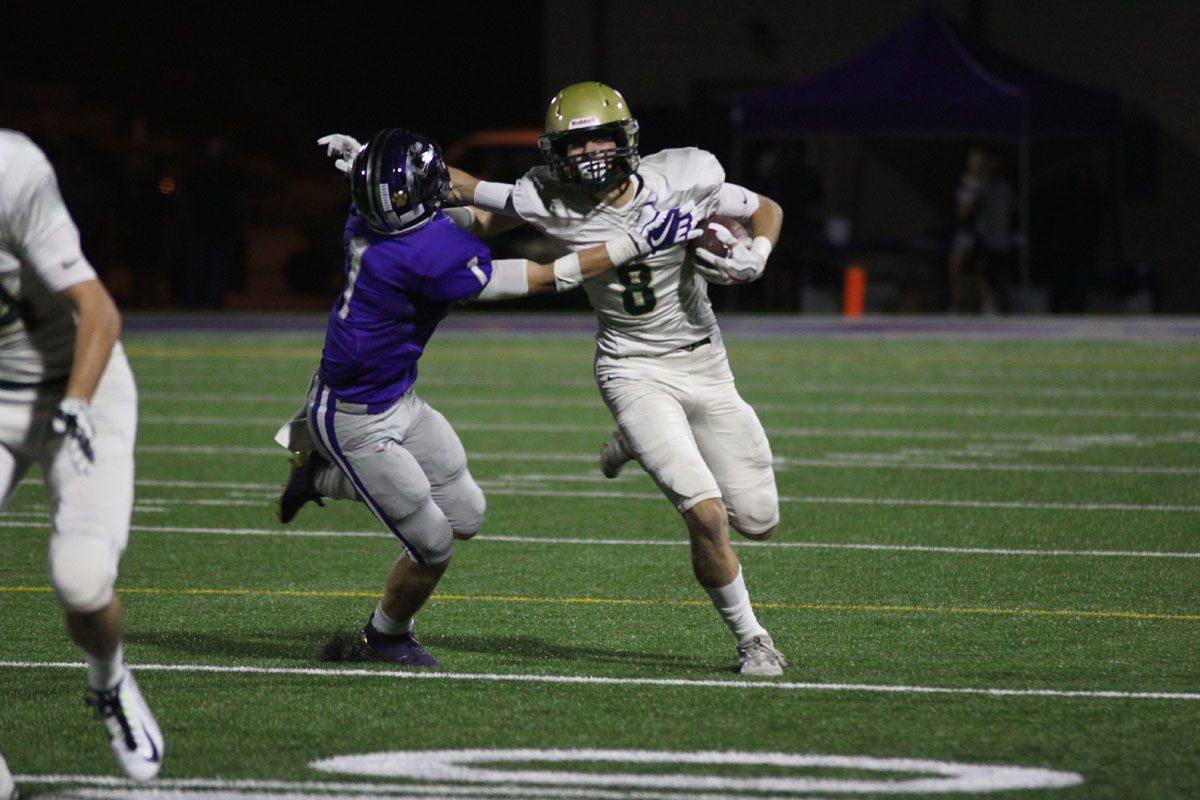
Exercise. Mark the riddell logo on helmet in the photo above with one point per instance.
(583, 122)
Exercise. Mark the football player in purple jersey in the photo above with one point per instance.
(364, 433)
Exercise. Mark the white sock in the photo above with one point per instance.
(733, 604)
(105, 673)
(384, 623)
(331, 482)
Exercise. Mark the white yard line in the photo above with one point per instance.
(847, 461)
(1093, 439)
(991, 391)
(875, 461)
(508, 489)
(238, 789)
(600, 680)
(865, 501)
(766, 407)
(6, 522)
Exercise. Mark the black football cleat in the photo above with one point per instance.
(299, 488)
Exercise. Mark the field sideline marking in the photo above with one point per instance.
(731, 683)
(623, 601)
(585, 540)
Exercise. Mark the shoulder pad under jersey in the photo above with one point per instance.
(686, 171)
(547, 203)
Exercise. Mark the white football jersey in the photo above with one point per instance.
(39, 257)
(655, 304)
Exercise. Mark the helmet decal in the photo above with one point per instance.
(399, 181)
(583, 122)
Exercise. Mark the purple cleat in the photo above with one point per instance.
(402, 649)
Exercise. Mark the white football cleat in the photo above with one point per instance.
(133, 733)
(8, 789)
(759, 658)
(615, 454)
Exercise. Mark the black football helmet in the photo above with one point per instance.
(399, 180)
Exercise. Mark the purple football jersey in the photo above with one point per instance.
(398, 288)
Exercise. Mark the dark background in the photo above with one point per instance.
(185, 137)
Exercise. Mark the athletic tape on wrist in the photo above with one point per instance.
(567, 273)
(622, 250)
(762, 246)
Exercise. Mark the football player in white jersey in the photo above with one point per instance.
(68, 403)
(660, 362)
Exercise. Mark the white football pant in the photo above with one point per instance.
(89, 515)
(693, 433)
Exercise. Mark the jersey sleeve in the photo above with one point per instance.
(528, 200)
(736, 201)
(688, 174)
(38, 227)
(463, 267)
(708, 176)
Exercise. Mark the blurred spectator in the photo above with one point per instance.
(216, 262)
(982, 254)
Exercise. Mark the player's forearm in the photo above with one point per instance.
(96, 332)
(767, 220)
(487, 196)
(571, 270)
(513, 278)
(462, 187)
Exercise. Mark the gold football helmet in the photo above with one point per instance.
(585, 111)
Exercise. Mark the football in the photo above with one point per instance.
(709, 240)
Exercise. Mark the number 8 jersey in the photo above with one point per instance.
(655, 304)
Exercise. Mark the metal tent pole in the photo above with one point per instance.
(1024, 158)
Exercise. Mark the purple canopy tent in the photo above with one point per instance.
(923, 80)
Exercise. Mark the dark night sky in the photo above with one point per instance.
(275, 78)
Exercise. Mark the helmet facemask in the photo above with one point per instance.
(599, 170)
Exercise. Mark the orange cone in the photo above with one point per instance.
(854, 291)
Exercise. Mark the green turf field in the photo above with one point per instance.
(989, 555)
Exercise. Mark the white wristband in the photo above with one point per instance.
(491, 196)
(622, 250)
(567, 274)
(762, 246)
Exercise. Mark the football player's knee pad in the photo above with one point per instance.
(465, 506)
(427, 532)
(755, 513)
(83, 571)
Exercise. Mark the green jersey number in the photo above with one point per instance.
(638, 298)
